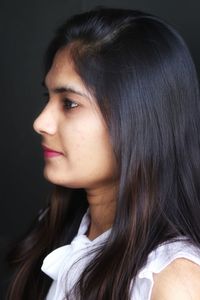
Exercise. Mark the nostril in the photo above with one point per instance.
(46, 123)
(44, 126)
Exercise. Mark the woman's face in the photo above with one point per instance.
(71, 123)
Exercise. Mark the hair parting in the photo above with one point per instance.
(141, 73)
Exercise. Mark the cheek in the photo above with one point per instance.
(88, 143)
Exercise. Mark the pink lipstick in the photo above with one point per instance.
(48, 153)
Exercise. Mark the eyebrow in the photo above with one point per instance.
(64, 89)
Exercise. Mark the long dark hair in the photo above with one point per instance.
(141, 73)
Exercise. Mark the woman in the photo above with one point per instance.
(120, 134)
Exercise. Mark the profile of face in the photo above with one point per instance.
(71, 124)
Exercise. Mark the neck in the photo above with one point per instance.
(102, 206)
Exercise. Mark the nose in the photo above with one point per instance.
(46, 122)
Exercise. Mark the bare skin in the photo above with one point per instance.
(179, 281)
(87, 161)
(102, 212)
(78, 131)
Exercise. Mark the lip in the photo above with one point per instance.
(48, 152)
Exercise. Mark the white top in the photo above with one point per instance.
(61, 264)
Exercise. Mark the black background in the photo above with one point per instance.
(26, 28)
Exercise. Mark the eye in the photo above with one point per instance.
(69, 104)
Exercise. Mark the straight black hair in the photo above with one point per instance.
(143, 78)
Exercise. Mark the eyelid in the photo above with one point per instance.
(64, 101)
(67, 100)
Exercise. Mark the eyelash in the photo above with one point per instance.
(65, 102)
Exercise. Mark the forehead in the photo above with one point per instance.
(62, 71)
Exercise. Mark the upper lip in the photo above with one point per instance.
(49, 149)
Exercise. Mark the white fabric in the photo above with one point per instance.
(61, 264)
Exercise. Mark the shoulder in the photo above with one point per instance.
(180, 280)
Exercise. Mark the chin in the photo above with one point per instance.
(58, 180)
(51, 176)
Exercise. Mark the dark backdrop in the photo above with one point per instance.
(25, 30)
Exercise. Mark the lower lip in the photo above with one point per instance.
(50, 154)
